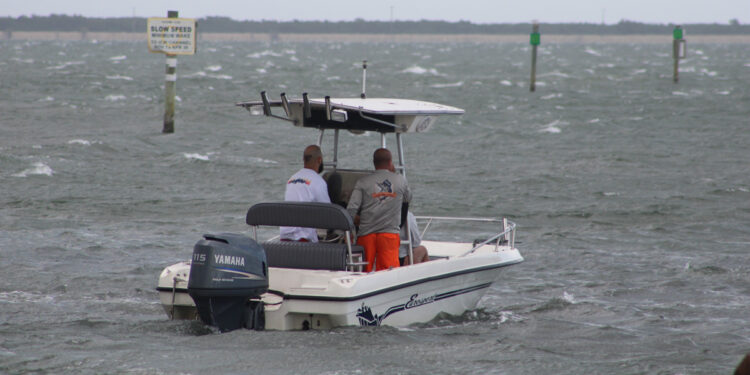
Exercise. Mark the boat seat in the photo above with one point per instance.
(308, 255)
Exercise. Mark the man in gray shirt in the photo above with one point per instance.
(375, 204)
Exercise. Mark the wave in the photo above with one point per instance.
(265, 53)
(552, 127)
(552, 96)
(506, 83)
(118, 58)
(416, 69)
(79, 142)
(124, 78)
(592, 52)
(213, 68)
(18, 296)
(442, 85)
(114, 98)
(196, 156)
(66, 64)
(37, 168)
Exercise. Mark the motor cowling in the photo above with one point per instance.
(228, 274)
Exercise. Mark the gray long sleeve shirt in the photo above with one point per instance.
(377, 199)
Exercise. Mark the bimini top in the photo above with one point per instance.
(383, 115)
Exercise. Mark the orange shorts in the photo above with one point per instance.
(381, 248)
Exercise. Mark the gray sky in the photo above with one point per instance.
(477, 11)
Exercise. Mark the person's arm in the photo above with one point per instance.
(355, 201)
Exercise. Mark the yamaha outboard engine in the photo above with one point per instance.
(228, 274)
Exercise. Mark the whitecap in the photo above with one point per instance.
(264, 161)
(442, 85)
(290, 52)
(639, 71)
(213, 68)
(568, 297)
(680, 93)
(118, 58)
(723, 92)
(555, 74)
(177, 99)
(333, 78)
(709, 72)
(66, 64)
(416, 69)
(698, 52)
(506, 83)
(552, 96)
(593, 121)
(38, 168)
(248, 142)
(610, 194)
(552, 127)
(114, 98)
(294, 59)
(124, 78)
(592, 52)
(196, 74)
(195, 156)
(261, 71)
(47, 99)
(79, 142)
(221, 76)
(265, 53)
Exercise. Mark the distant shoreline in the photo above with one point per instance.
(382, 38)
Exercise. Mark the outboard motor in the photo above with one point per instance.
(228, 274)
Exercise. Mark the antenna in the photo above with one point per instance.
(364, 78)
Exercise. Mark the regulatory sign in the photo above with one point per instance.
(173, 36)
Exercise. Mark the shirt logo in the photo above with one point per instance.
(298, 181)
(386, 191)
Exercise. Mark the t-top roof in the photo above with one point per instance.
(384, 115)
(390, 106)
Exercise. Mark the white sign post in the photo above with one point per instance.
(171, 36)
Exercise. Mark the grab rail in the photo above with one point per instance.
(508, 230)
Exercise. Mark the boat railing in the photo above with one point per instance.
(507, 234)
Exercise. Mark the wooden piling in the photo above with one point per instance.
(170, 80)
(535, 40)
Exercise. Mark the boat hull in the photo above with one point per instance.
(312, 299)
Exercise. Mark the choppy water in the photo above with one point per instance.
(632, 195)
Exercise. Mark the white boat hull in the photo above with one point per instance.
(311, 299)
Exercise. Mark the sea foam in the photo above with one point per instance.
(37, 168)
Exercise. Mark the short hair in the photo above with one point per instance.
(311, 153)
(381, 156)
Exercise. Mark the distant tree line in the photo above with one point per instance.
(358, 26)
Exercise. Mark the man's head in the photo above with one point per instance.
(313, 158)
(381, 159)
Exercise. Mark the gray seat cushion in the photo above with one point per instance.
(308, 255)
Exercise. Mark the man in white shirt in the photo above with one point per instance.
(306, 186)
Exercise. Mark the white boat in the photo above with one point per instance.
(321, 285)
